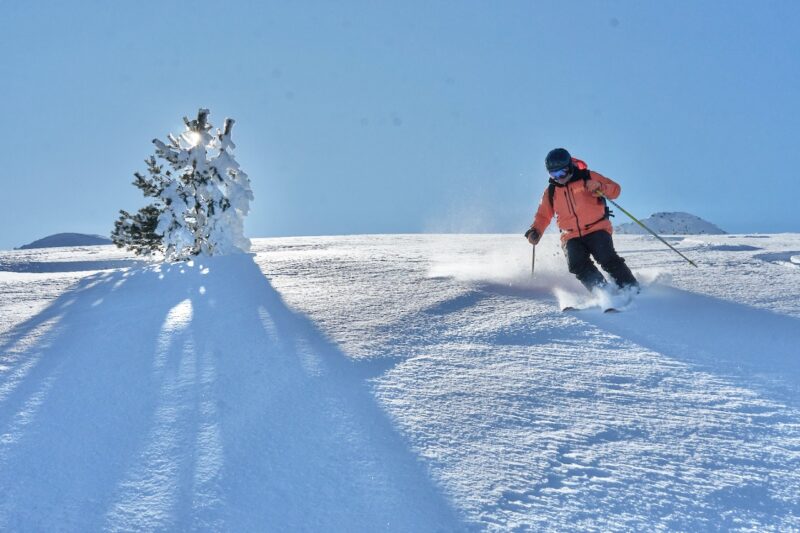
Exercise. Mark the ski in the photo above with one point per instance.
(570, 308)
(601, 301)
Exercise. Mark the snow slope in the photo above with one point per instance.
(400, 383)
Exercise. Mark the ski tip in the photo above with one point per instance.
(568, 308)
(611, 310)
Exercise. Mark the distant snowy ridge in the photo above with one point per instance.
(672, 224)
(66, 239)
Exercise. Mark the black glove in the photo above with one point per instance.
(533, 236)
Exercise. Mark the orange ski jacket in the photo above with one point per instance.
(578, 212)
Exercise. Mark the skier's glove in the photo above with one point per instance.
(595, 188)
(533, 236)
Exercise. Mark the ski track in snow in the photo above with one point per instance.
(400, 383)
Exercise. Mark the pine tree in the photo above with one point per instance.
(138, 232)
(200, 201)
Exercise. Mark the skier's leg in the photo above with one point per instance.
(602, 248)
(580, 264)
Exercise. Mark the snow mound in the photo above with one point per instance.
(59, 240)
(672, 224)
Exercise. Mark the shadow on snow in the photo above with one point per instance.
(70, 266)
(722, 336)
(725, 337)
(190, 396)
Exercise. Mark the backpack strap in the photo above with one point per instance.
(585, 175)
(551, 189)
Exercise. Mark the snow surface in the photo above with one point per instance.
(668, 224)
(400, 383)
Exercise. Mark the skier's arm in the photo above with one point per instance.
(543, 215)
(608, 187)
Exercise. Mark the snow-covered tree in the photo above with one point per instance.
(200, 201)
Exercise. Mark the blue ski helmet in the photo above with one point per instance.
(557, 159)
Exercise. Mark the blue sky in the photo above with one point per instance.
(384, 117)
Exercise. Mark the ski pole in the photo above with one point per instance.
(533, 259)
(648, 229)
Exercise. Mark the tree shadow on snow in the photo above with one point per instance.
(191, 397)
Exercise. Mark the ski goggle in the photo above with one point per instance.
(560, 173)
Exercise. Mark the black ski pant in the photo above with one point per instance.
(599, 245)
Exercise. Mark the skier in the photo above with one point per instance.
(576, 196)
